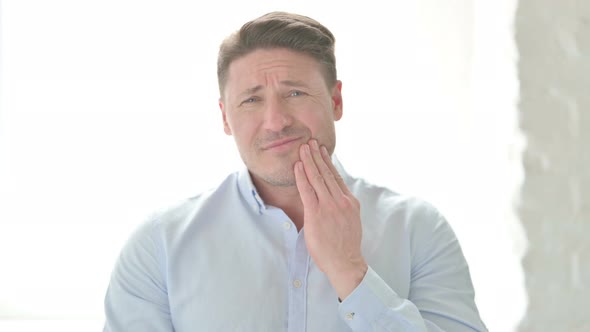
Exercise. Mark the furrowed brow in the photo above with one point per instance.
(251, 90)
(295, 84)
(289, 83)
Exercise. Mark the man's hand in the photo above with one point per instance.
(332, 219)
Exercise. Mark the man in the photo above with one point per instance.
(290, 243)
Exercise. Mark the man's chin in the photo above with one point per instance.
(277, 171)
(280, 180)
(279, 176)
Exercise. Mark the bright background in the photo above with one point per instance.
(108, 110)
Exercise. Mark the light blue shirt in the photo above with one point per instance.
(226, 261)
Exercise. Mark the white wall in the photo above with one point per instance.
(109, 110)
(554, 70)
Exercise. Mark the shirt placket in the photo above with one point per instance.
(298, 271)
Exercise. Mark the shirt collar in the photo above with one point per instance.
(250, 194)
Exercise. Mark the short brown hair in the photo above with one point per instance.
(279, 30)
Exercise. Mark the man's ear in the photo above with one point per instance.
(337, 100)
(226, 127)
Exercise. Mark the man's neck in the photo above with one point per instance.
(284, 197)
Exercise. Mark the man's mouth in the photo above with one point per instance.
(281, 144)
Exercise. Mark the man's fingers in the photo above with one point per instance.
(308, 196)
(328, 175)
(337, 177)
(313, 174)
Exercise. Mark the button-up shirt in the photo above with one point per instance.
(226, 261)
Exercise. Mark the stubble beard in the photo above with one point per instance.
(282, 174)
(283, 178)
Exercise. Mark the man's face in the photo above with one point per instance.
(274, 101)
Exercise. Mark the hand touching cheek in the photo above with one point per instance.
(332, 220)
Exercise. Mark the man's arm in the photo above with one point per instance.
(441, 294)
(136, 299)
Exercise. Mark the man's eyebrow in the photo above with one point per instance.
(251, 90)
(290, 83)
(294, 83)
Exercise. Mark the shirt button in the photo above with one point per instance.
(349, 316)
(297, 283)
(287, 225)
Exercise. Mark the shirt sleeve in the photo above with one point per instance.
(441, 296)
(136, 299)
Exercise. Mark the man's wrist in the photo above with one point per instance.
(345, 282)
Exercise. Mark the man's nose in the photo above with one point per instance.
(277, 115)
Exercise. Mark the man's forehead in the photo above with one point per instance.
(254, 79)
(262, 68)
(286, 83)
(273, 60)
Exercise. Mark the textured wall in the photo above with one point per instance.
(553, 40)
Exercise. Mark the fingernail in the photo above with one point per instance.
(306, 147)
(324, 150)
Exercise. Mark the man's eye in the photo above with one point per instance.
(296, 93)
(250, 100)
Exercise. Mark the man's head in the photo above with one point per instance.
(278, 89)
(279, 30)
